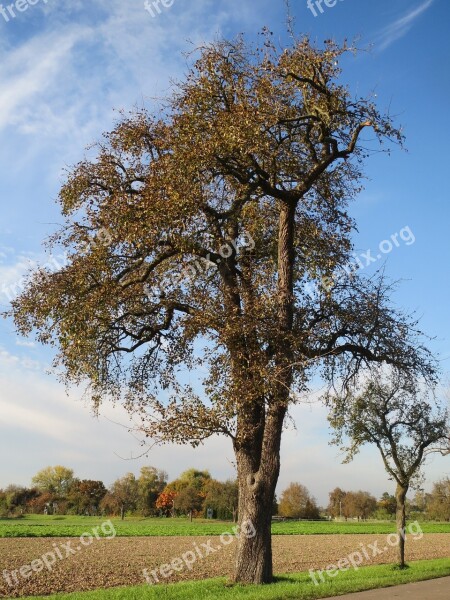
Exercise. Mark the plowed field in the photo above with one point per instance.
(120, 561)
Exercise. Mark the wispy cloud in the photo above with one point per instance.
(28, 71)
(24, 344)
(62, 82)
(40, 424)
(400, 27)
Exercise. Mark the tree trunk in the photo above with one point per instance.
(122, 513)
(257, 483)
(254, 553)
(400, 495)
(260, 424)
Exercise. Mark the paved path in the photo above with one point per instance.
(435, 589)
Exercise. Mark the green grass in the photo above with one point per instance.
(325, 527)
(298, 587)
(72, 526)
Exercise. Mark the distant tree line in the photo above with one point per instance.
(55, 490)
(433, 506)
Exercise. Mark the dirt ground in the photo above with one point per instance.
(120, 561)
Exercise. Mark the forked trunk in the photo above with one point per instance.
(259, 427)
(400, 495)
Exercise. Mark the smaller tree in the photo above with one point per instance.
(192, 478)
(3, 504)
(420, 501)
(165, 501)
(296, 502)
(222, 497)
(360, 504)
(85, 496)
(403, 422)
(439, 500)
(188, 501)
(109, 505)
(151, 483)
(54, 480)
(387, 505)
(17, 498)
(125, 493)
(335, 504)
(41, 503)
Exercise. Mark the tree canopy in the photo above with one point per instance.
(248, 134)
(402, 420)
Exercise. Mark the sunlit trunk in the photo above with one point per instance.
(400, 495)
(256, 499)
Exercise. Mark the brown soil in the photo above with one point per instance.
(120, 561)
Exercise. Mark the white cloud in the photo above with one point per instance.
(5, 251)
(24, 344)
(41, 425)
(60, 87)
(12, 361)
(30, 70)
(27, 419)
(400, 27)
(12, 278)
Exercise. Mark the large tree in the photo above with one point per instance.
(192, 239)
(402, 420)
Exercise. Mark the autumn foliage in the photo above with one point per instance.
(258, 150)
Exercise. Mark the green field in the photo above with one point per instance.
(298, 587)
(70, 526)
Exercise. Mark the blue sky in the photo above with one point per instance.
(68, 66)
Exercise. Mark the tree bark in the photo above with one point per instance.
(257, 479)
(400, 495)
(259, 429)
(254, 555)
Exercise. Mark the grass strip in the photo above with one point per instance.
(288, 587)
